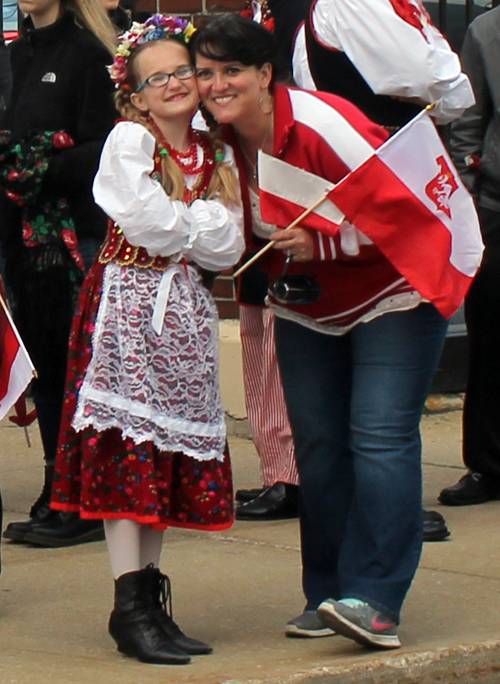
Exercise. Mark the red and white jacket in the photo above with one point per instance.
(357, 287)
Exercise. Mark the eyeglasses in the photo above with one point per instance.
(160, 80)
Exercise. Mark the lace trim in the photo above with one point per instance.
(161, 388)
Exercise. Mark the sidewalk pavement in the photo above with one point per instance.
(237, 589)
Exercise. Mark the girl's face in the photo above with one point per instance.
(178, 98)
(42, 12)
(230, 90)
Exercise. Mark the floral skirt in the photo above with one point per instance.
(103, 475)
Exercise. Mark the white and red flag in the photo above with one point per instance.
(407, 198)
(16, 369)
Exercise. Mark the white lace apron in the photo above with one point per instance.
(158, 387)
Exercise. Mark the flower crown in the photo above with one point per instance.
(156, 27)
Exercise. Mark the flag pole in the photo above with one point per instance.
(271, 243)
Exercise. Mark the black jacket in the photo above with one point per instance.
(60, 82)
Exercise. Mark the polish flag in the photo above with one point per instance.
(406, 197)
(16, 369)
(286, 191)
(409, 200)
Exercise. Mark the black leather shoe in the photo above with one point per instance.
(279, 502)
(17, 531)
(245, 495)
(40, 513)
(435, 527)
(66, 529)
(472, 488)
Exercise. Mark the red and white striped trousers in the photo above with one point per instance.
(264, 397)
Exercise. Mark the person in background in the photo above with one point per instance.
(143, 439)
(475, 148)
(58, 117)
(120, 17)
(414, 66)
(5, 75)
(265, 403)
(5, 86)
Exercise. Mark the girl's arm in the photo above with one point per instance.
(207, 232)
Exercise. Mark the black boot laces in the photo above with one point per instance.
(165, 612)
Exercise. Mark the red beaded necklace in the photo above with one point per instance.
(189, 162)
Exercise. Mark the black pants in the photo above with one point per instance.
(481, 418)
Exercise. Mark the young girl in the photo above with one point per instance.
(143, 440)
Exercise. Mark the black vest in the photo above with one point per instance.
(333, 72)
(288, 16)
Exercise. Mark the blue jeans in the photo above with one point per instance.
(355, 403)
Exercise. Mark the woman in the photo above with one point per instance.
(143, 438)
(356, 364)
(60, 112)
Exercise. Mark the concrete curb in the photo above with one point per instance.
(463, 664)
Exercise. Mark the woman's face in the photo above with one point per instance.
(42, 12)
(230, 90)
(178, 98)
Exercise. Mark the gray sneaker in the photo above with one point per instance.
(361, 622)
(307, 625)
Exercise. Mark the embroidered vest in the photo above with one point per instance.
(116, 248)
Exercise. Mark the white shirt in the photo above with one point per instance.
(206, 232)
(394, 57)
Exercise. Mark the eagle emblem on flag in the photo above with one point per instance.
(442, 187)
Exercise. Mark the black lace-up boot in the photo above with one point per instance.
(160, 591)
(134, 625)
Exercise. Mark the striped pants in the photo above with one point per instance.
(264, 398)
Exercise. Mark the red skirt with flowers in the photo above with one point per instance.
(102, 475)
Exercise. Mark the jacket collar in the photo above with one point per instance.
(283, 118)
(47, 34)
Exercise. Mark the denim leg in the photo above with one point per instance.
(394, 360)
(316, 375)
(355, 404)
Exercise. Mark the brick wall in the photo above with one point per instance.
(192, 9)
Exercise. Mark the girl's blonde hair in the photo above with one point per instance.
(90, 14)
(223, 183)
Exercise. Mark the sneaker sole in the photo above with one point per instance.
(294, 632)
(340, 624)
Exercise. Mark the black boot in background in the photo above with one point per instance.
(40, 512)
(134, 626)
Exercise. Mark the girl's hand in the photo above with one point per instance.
(297, 242)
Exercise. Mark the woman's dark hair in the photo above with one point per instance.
(233, 38)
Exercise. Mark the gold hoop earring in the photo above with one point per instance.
(266, 104)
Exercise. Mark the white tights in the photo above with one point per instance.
(131, 546)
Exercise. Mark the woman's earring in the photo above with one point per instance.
(266, 104)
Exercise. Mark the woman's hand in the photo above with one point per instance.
(297, 242)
